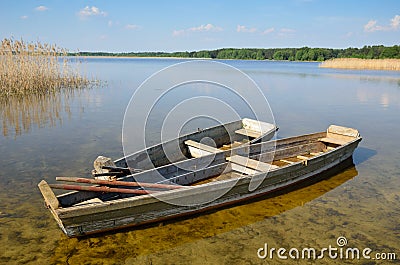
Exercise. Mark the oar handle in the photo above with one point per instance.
(118, 183)
(98, 189)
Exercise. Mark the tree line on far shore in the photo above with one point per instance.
(289, 54)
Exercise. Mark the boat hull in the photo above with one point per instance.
(126, 212)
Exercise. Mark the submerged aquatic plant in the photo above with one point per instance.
(36, 68)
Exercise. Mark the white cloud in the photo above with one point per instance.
(241, 28)
(132, 27)
(41, 8)
(91, 11)
(372, 26)
(267, 31)
(207, 27)
(201, 28)
(24, 17)
(395, 22)
(285, 32)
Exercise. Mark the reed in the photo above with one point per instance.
(355, 63)
(18, 114)
(36, 68)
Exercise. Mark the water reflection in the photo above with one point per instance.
(304, 100)
(372, 95)
(139, 242)
(20, 114)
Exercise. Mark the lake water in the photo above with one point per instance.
(61, 135)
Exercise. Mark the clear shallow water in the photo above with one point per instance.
(63, 136)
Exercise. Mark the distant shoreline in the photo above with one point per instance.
(138, 57)
(337, 63)
(303, 54)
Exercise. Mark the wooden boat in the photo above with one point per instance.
(201, 184)
(222, 137)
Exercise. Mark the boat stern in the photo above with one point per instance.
(51, 202)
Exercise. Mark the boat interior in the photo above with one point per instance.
(200, 143)
(222, 165)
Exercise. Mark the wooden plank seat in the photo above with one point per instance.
(198, 149)
(302, 157)
(316, 153)
(249, 166)
(333, 141)
(91, 201)
(250, 133)
(287, 161)
(233, 145)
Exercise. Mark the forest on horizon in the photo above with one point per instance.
(289, 54)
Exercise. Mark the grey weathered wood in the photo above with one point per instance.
(251, 163)
(201, 146)
(333, 141)
(258, 126)
(197, 149)
(244, 169)
(48, 195)
(113, 213)
(248, 132)
(156, 156)
(345, 131)
(91, 201)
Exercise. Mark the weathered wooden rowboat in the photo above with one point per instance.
(225, 136)
(209, 182)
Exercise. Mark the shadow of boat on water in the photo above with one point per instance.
(148, 239)
(362, 154)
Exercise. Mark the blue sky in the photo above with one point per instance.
(122, 26)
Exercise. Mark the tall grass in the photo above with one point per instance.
(354, 63)
(36, 68)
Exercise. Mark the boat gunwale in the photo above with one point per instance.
(189, 191)
(235, 150)
(263, 134)
(291, 140)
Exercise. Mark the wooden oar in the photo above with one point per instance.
(118, 183)
(98, 189)
(109, 174)
(127, 170)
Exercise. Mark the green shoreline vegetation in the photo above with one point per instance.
(36, 68)
(286, 54)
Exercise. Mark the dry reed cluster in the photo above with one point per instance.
(354, 63)
(36, 68)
